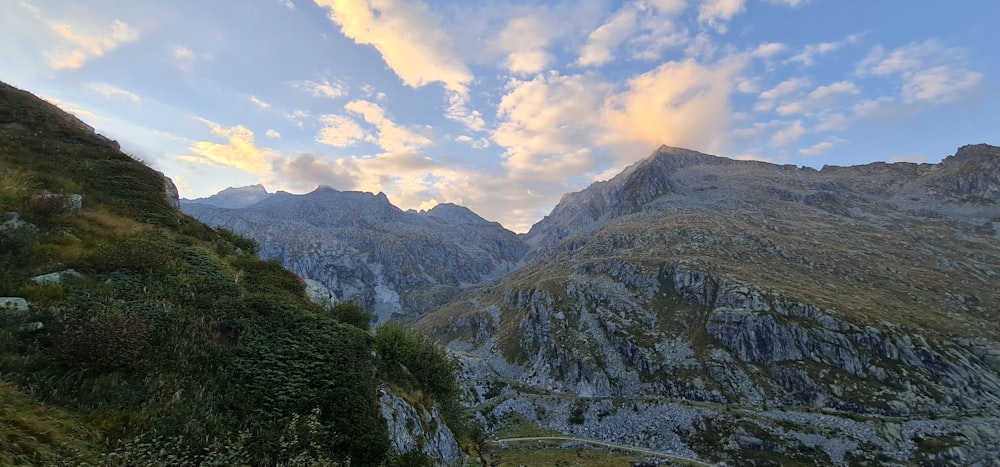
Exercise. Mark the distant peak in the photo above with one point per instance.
(970, 152)
(258, 188)
(455, 213)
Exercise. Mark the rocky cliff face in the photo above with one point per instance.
(365, 249)
(418, 430)
(717, 290)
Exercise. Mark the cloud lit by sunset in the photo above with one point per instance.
(504, 106)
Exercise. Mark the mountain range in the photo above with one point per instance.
(696, 304)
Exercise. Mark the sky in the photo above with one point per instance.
(504, 106)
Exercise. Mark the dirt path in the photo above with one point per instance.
(605, 444)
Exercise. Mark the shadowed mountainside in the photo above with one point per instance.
(869, 292)
(363, 248)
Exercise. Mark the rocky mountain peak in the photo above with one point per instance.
(975, 153)
(234, 197)
(972, 174)
(455, 214)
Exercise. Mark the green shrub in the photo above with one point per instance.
(410, 359)
(352, 313)
(105, 340)
(15, 187)
(294, 367)
(247, 245)
(141, 252)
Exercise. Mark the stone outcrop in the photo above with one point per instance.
(413, 429)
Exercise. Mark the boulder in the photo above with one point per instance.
(13, 306)
(319, 293)
(55, 277)
(54, 203)
(31, 327)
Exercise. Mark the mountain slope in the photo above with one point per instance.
(363, 248)
(871, 291)
(132, 334)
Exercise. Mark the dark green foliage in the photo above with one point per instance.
(14, 244)
(410, 359)
(578, 415)
(246, 245)
(350, 312)
(314, 362)
(144, 252)
(270, 276)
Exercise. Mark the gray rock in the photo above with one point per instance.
(31, 327)
(319, 293)
(170, 190)
(13, 306)
(419, 430)
(58, 203)
(56, 277)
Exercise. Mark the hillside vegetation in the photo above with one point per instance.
(163, 341)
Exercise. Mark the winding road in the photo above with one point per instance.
(623, 447)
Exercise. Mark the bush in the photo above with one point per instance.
(247, 245)
(426, 365)
(14, 189)
(295, 367)
(350, 312)
(142, 252)
(104, 342)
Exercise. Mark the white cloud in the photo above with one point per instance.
(525, 40)
(832, 122)
(272, 134)
(409, 37)
(458, 110)
(816, 149)
(788, 134)
(339, 131)
(768, 50)
(546, 123)
(682, 104)
(602, 41)
(747, 85)
(767, 100)
(940, 85)
(391, 136)
(80, 44)
(324, 88)
(823, 97)
(481, 143)
(112, 92)
(930, 72)
(259, 103)
(72, 108)
(840, 87)
(757, 130)
(715, 13)
(239, 152)
(809, 53)
(788, 3)
(287, 4)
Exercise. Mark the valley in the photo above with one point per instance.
(718, 309)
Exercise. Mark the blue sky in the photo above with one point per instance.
(504, 106)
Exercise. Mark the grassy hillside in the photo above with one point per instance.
(173, 344)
